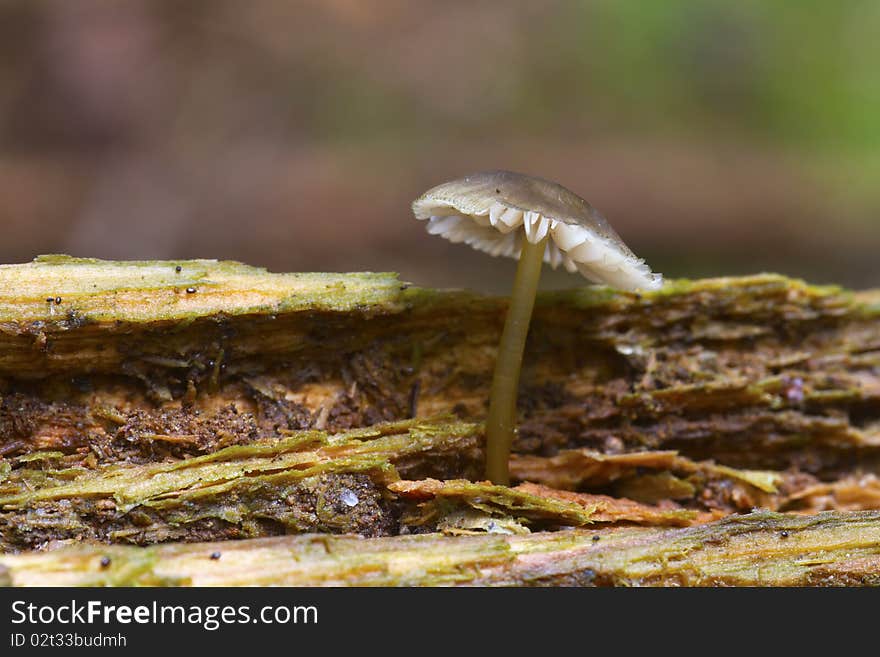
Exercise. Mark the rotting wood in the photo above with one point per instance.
(533, 504)
(757, 549)
(703, 399)
(307, 481)
(760, 372)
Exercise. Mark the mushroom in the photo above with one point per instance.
(535, 220)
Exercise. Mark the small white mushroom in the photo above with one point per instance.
(535, 220)
(481, 209)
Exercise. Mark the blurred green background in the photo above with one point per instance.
(719, 137)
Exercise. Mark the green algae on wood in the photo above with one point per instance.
(530, 505)
(308, 481)
(757, 549)
(490, 499)
(153, 291)
(143, 292)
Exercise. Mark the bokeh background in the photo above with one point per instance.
(719, 137)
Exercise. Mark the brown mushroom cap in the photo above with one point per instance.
(486, 210)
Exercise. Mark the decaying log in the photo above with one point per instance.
(758, 549)
(204, 401)
(759, 372)
(306, 481)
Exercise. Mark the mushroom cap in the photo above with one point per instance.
(493, 211)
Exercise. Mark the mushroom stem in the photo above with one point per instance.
(501, 422)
